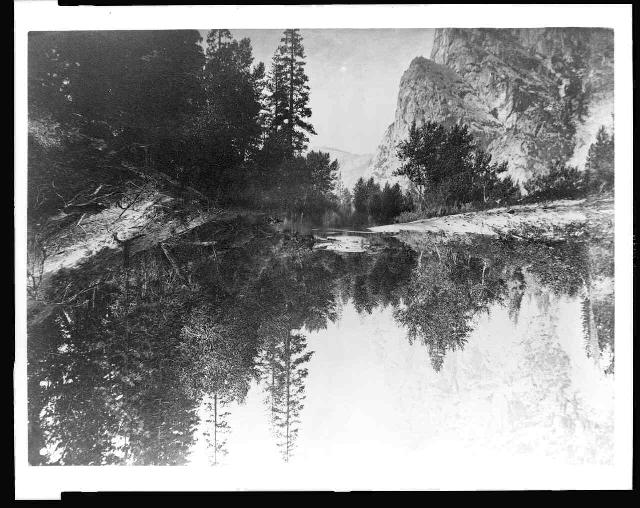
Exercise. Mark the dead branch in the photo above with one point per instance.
(53, 185)
(97, 200)
(128, 206)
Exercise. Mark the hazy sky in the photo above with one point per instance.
(354, 76)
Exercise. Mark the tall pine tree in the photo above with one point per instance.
(289, 95)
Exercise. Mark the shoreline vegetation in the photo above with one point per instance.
(544, 221)
(135, 137)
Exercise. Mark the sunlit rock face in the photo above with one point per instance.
(531, 96)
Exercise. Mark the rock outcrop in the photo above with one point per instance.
(531, 96)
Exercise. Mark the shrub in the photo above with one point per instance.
(447, 166)
(599, 168)
(561, 182)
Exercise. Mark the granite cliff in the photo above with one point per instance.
(531, 96)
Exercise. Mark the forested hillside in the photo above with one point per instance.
(109, 108)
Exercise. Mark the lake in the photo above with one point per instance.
(240, 343)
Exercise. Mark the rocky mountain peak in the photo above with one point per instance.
(531, 96)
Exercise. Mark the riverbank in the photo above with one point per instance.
(145, 216)
(554, 220)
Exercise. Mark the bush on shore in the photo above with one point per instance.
(450, 174)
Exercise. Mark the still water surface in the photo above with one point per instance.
(336, 347)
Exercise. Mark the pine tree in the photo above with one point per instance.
(216, 40)
(392, 202)
(217, 426)
(346, 201)
(290, 392)
(599, 168)
(290, 95)
(360, 196)
(277, 95)
(323, 172)
(260, 85)
(374, 198)
(284, 373)
(232, 124)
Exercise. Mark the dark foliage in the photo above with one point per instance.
(568, 182)
(371, 203)
(106, 106)
(450, 174)
(599, 169)
(98, 100)
(448, 168)
(560, 182)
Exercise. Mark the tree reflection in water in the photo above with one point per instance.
(118, 372)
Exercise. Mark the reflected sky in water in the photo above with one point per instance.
(517, 389)
(268, 348)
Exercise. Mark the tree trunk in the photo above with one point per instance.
(291, 112)
(288, 382)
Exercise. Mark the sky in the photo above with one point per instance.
(354, 75)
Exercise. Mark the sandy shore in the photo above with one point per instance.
(538, 220)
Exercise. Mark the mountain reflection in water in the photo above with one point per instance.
(237, 333)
